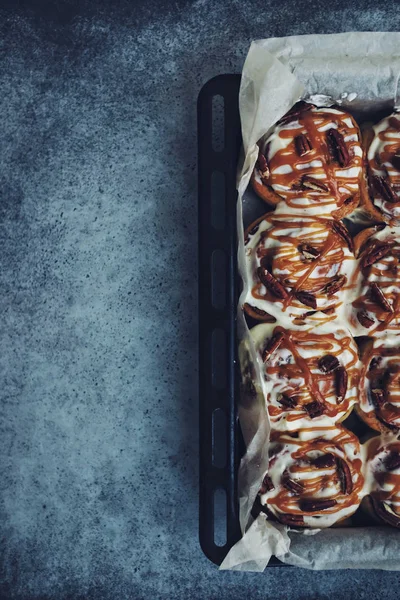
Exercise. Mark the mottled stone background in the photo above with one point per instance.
(98, 233)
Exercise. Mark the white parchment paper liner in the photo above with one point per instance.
(361, 69)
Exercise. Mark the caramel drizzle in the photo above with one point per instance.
(284, 262)
(329, 244)
(286, 502)
(389, 146)
(386, 273)
(389, 412)
(385, 477)
(320, 151)
(323, 344)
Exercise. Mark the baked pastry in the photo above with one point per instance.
(382, 144)
(376, 292)
(383, 476)
(312, 161)
(379, 405)
(315, 477)
(297, 270)
(306, 374)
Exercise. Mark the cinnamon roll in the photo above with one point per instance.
(315, 477)
(383, 474)
(379, 405)
(311, 375)
(312, 160)
(376, 291)
(383, 154)
(297, 269)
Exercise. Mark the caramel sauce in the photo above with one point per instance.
(285, 502)
(340, 188)
(384, 477)
(388, 148)
(317, 385)
(386, 273)
(286, 258)
(385, 376)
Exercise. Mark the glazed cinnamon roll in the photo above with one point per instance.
(311, 375)
(312, 160)
(379, 405)
(315, 477)
(383, 474)
(297, 269)
(383, 153)
(376, 291)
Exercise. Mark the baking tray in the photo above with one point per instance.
(221, 444)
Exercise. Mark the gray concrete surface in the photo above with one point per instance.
(98, 296)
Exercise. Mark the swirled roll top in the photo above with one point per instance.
(383, 153)
(311, 161)
(383, 475)
(379, 405)
(297, 269)
(376, 291)
(306, 376)
(315, 477)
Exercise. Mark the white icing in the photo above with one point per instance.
(274, 386)
(313, 163)
(284, 460)
(305, 232)
(277, 143)
(376, 147)
(328, 126)
(362, 285)
(282, 170)
(376, 466)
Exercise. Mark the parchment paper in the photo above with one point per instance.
(357, 70)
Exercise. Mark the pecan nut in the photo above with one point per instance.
(287, 401)
(316, 504)
(328, 363)
(307, 298)
(266, 485)
(392, 461)
(310, 183)
(334, 285)
(345, 478)
(324, 461)
(384, 514)
(341, 379)
(337, 147)
(254, 309)
(272, 284)
(309, 252)
(364, 319)
(272, 346)
(341, 230)
(314, 409)
(384, 189)
(379, 297)
(378, 397)
(289, 483)
(291, 520)
(374, 253)
(262, 167)
(302, 144)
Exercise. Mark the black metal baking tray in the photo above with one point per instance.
(221, 445)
